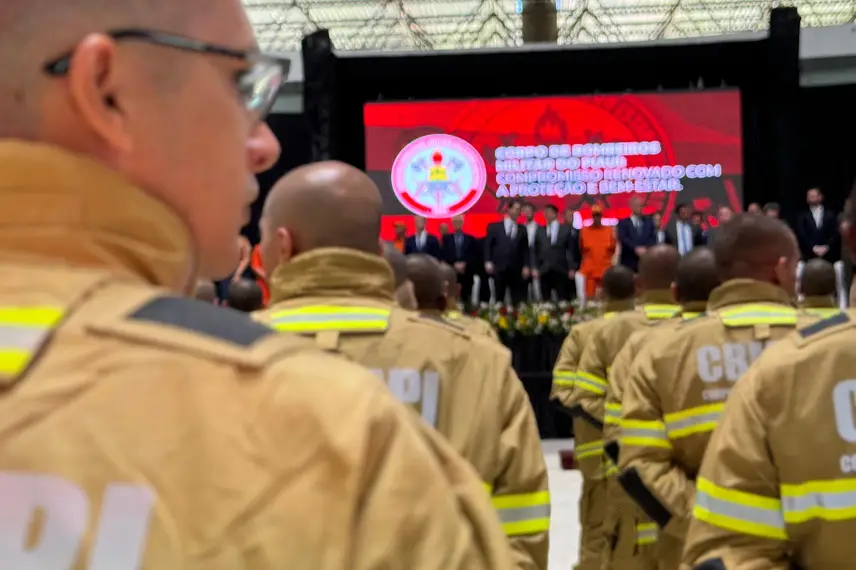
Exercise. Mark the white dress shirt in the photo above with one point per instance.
(421, 238)
(553, 232)
(817, 214)
(510, 227)
(685, 237)
(531, 228)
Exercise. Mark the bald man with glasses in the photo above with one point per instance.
(142, 429)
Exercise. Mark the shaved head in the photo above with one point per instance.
(618, 284)
(450, 277)
(818, 278)
(658, 266)
(397, 261)
(757, 247)
(696, 276)
(205, 291)
(428, 281)
(320, 205)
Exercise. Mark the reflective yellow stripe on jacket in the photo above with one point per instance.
(755, 515)
(646, 533)
(591, 383)
(612, 414)
(22, 332)
(524, 513)
(317, 318)
(611, 468)
(700, 419)
(643, 433)
(738, 511)
(748, 315)
(655, 312)
(587, 450)
(563, 378)
(822, 312)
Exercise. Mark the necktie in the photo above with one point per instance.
(458, 239)
(421, 241)
(553, 233)
(637, 224)
(682, 238)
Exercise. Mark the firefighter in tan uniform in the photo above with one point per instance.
(631, 534)
(776, 488)
(655, 303)
(403, 287)
(678, 385)
(618, 289)
(141, 430)
(819, 288)
(328, 282)
(474, 326)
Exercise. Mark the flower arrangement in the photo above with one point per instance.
(530, 319)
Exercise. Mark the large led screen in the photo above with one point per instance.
(437, 159)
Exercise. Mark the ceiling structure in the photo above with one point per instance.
(398, 25)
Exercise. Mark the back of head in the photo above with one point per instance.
(428, 281)
(397, 261)
(657, 267)
(818, 278)
(245, 296)
(132, 103)
(618, 283)
(757, 247)
(696, 276)
(321, 205)
(205, 291)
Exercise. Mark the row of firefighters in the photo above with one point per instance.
(675, 478)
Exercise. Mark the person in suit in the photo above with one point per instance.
(422, 241)
(554, 256)
(659, 232)
(635, 234)
(817, 230)
(723, 214)
(506, 255)
(459, 251)
(772, 209)
(574, 238)
(686, 236)
(528, 210)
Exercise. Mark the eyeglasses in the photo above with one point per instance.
(257, 86)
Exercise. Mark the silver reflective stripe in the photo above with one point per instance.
(827, 500)
(521, 514)
(22, 337)
(677, 425)
(757, 515)
(643, 432)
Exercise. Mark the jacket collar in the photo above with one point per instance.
(65, 208)
(333, 272)
(657, 297)
(743, 291)
(818, 302)
(616, 306)
(694, 307)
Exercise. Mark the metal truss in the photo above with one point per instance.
(395, 25)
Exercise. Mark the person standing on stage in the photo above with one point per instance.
(597, 244)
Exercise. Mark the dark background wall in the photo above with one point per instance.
(827, 131)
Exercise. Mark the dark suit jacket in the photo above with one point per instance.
(467, 253)
(699, 238)
(432, 246)
(505, 252)
(809, 235)
(557, 256)
(631, 238)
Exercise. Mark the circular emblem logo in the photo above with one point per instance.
(438, 176)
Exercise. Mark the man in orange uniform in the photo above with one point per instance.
(597, 245)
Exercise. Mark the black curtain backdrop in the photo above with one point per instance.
(293, 135)
(827, 154)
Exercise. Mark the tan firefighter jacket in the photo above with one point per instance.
(677, 389)
(472, 325)
(144, 430)
(646, 531)
(588, 447)
(462, 385)
(777, 487)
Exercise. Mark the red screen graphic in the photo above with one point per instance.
(573, 152)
